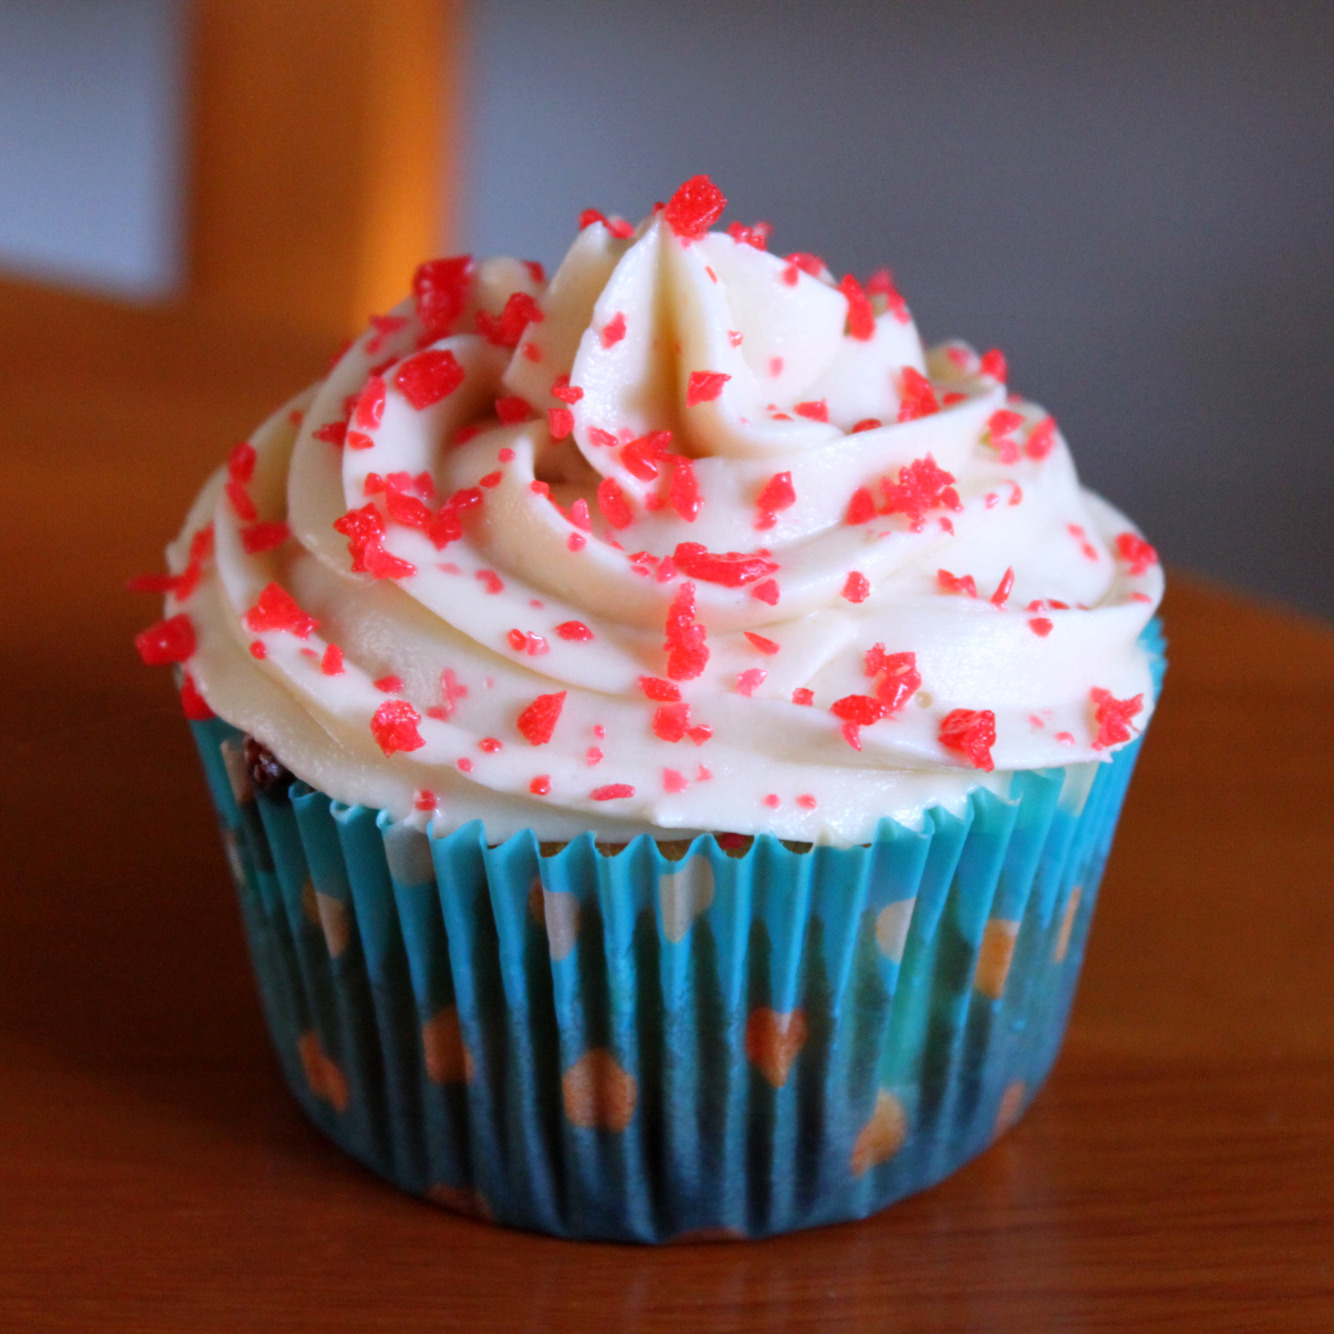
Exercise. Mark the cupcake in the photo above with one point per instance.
(667, 728)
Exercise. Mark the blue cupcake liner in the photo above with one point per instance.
(635, 1048)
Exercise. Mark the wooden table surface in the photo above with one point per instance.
(1177, 1172)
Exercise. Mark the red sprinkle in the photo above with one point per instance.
(1040, 626)
(613, 503)
(861, 317)
(922, 486)
(258, 651)
(540, 786)
(518, 640)
(364, 529)
(576, 541)
(971, 732)
(618, 227)
(614, 330)
(1113, 717)
(370, 406)
(593, 756)
(764, 645)
(861, 508)
(464, 764)
(1041, 439)
(358, 440)
(807, 802)
(857, 588)
(766, 592)
(567, 392)
(241, 502)
(264, 536)
(704, 386)
(241, 462)
(673, 781)
(654, 687)
(429, 377)
(816, 410)
(952, 583)
(440, 290)
(993, 364)
(389, 685)
(687, 653)
(494, 583)
(194, 705)
(694, 208)
(750, 680)
(394, 726)
(900, 679)
(756, 236)
(671, 722)
(575, 631)
(332, 433)
(277, 609)
(1136, 552)
(918, 399)
(773, 801)
(491, 479)
(512, 409)
(731, 569)
(506, 330)
(683, 491)
(1002, 594)
(560, 422)
(332, 662)
(801, 695)
(642, 456)
(424, 800)
(867, 424)
(612, 792)
(538, 721)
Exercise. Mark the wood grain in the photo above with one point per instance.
(1177, 1172)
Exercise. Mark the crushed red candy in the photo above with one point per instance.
(1113, 717)
(511, 409)
(861, 507)
(643, 455)
(694, 208)
(750, 680)
(566, 392)
(277, 609)
(429, 377)
(613, 503)
(972, 733)
(953, 583)
(683, 490)
(816, 410)
(618, 227)
(537, 722)
(258, 538)
(614, 330)
(1002, 594)
(993, 364)
(370, 406)
(704, 386)
(575, 631)
(193, 704)
(778, 495)
(687, 652)
(673, 782)
(861, 316)
(1136, 552)
(612, 792)
(332, 662)
(241, 502)
(560, 422)
(923, 485)
(1041, 439)
(364, 530)
(332, 433)
(731, 569)
(766, 591)
(866, 424)
(671, 722)
(506, 329)
(756, 236)
(764, 645)
(655, 688)
(857, 587)
(394, 727)
(803, 696)
(917, 398)
(881, 284)
(241, 462)
(1040, 626)
(897, 677)
(540, 786)
(258, 650)
(389, 685)
(440, 289)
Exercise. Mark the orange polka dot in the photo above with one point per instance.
(325, 1079)
(995, 957)
(448, 1060)
(882, 1136)
(1067, 924)
(598, 1092)
(773, 1040)
(460, 1200)
(1011, 1107)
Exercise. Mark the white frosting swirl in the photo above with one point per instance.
(517, 639)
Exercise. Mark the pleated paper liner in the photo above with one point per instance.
(644, 1048)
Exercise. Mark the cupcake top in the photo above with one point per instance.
(691, 537)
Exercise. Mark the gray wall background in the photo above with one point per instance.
(1135, 201)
